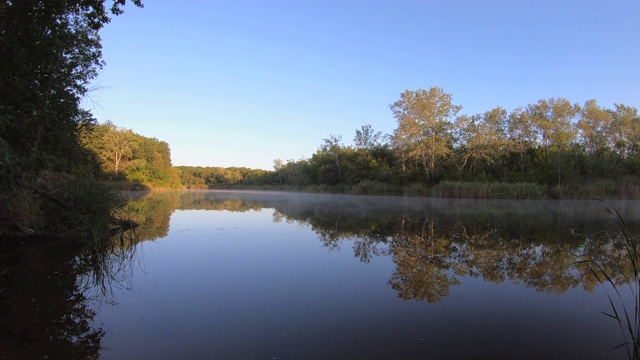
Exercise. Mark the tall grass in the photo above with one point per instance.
(616, 283)
(88, 207)
(624, 188)
(371, 187)
(491, 190)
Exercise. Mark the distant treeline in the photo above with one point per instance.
(567, 148)
(198, 177)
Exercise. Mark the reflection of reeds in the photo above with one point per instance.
(614, 279)
(106, 266)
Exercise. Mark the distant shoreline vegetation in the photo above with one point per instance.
(456, 189)
(549, 149)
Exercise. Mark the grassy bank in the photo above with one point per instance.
(627, 188)
(60, 204)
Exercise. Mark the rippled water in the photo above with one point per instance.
(250, 275)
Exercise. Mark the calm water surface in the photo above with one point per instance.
(250, 275)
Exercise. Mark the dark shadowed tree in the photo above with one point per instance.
(50, 51)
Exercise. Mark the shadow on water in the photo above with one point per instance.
(49, 294)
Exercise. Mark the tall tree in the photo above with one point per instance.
(425, 121)
(483, 137)
(49, 54)
(554, 120)
(333, 147)
(119, 147)
(595, 127)
(277, 166)
(625, 129)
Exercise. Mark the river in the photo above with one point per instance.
(273, 275)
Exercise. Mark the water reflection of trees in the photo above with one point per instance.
(436, 243)
(48, 295)
(435, 247)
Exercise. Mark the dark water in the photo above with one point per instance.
(232, 275)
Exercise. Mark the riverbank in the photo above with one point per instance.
(601, 189)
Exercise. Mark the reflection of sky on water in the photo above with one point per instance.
(231, 285)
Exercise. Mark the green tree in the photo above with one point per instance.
(366, 138)
(332, 147)
(483, 137)
(425, 126)
(625, 129)
(277, 166)
(50, 52)
(595, 127)
(554, 120)
(118, 151)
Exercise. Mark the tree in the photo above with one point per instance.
(595, 127)
(625, 129)
(424, 126)
(118, 148)
(554, 121)
(333, 147)
(483, 137)
(366, 138)
(277, 166)
(50, 52)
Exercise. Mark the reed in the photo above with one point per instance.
(87, 206)
(370, 187)
(416, 189)
(624, 188)
(616, 283)
(490, 190)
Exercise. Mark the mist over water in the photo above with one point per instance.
(228, 275)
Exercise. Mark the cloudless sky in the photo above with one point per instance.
(241, 83)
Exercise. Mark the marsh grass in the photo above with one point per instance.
(489, 190)
(416, 189)
(624, 188)
(88, 206)
(617, 283)
(371, 187)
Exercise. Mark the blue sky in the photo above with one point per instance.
(241, 83)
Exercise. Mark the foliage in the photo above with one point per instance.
(425, 126)
(198, 177)
(86, 206)
(551, 148)
(124, 155)
(50, 52)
